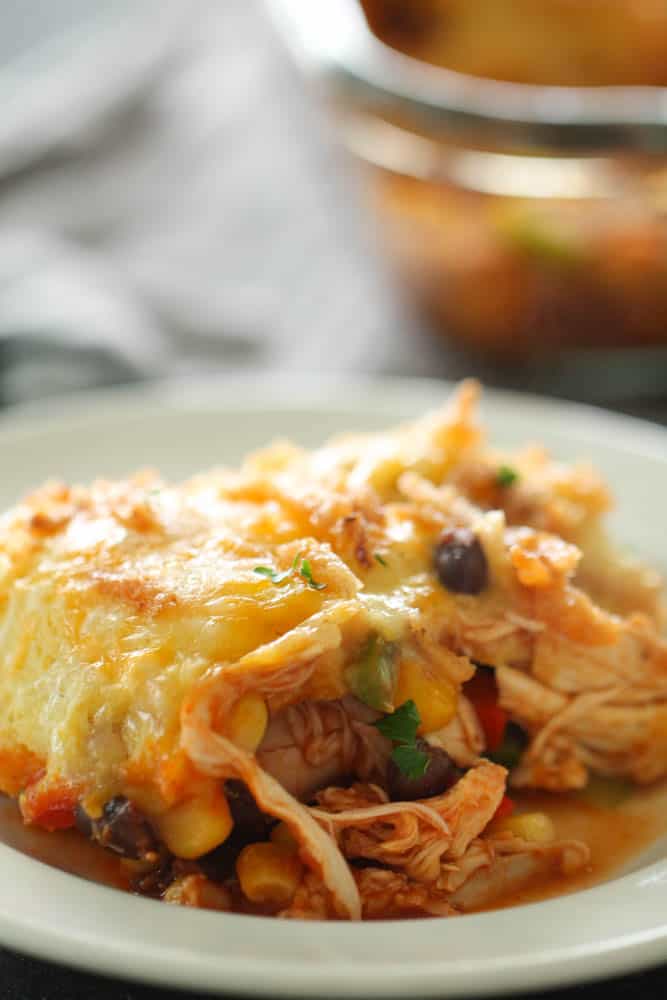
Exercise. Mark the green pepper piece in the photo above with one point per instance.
(509, 752)
(542, 240)
(373, 676)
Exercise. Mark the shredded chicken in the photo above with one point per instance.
(383, 893)
(617, 730)
(315, 743)
(462, 738)
(495, 864)
(218, 757)
(587, 681)
(311, 901)
(491, 869)
(590, 687)
(392, 894)
(414, 837)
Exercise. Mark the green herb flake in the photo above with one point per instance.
(307, 573)
(271, 574)
(401, 726)
(378, 558)
(506, 476)
(411, 761)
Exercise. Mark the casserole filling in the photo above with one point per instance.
(308, 687)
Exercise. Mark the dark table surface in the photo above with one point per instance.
(26, 979)
(218, 219)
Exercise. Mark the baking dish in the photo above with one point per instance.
(525, 219)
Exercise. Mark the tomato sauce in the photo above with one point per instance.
(622, 837)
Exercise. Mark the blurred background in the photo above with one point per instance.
(411, 187)
(419, 187)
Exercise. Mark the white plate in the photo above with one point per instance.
(180, 427)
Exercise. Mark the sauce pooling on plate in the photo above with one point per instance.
(618, 834)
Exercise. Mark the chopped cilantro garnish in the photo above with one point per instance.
(401, 728)
(271, 574)
(378, 558)
(506, 476)
(411, 761)
(307, 573)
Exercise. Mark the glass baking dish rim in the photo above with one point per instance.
(333, 42)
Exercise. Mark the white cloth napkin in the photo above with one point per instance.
(170, 199)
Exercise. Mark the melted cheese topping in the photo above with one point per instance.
(118, 599)
(106, 625)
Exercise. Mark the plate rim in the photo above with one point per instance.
(296, 389)
(96, 952)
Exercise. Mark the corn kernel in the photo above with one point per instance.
(435, 697)
(535, 827)
(147, 797)
(283, 837)
(93, 806)
(196, 826)
(248, 721)
(268, 873)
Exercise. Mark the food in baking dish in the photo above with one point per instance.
(550, 42)
(571, 250)
(558, 273)
(309, 687)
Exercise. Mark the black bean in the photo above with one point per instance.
(510, 751)
(460, 562)
(84, 823)
(122, 828)
(250, 825)
(219, 863)
(440, 775)
(155, 881)
(245, 812)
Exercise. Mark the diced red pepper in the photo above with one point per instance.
(483, 693)
(49, 806)
(493, 721)
(57, 817)
(505, 809)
